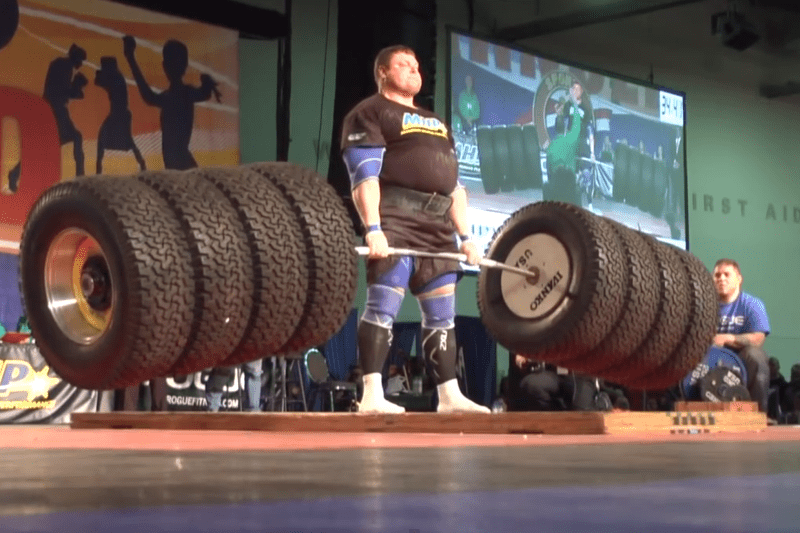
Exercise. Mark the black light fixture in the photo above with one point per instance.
(733, 29)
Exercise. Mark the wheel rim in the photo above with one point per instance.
(78, 285)
(549, 263)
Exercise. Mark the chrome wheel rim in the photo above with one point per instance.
(79, 286)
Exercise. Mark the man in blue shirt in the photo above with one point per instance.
(743, 326)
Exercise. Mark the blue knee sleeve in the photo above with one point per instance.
(450, 278)
(383, 304)
(439, 311)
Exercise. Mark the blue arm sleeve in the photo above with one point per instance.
(363, 163)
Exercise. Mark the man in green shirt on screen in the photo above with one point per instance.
(469, 108)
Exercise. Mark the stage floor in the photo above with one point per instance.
(58, 479)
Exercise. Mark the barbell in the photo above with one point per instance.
(462, 258)
(130, 278)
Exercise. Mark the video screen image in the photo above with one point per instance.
(529, 129)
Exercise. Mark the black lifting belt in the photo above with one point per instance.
(415, 201)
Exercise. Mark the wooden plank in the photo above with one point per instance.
(547, 423)
(530, 423)
(684, 422)
(748, 407)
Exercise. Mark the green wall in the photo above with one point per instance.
(313, 86)
(745, 200)
(741, 148)
(257, 97)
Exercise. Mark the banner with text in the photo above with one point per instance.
(30, 392)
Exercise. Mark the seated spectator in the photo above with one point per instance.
(607, 151)
(397, 381)
(536, 386)
(219, 377)
(418, 370)
(356, 376)
(617, 394)
(743, 327)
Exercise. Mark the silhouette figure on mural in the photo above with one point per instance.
(176, 102)
(9, 21)
(115, 132)
(60, 86)
(8, 27)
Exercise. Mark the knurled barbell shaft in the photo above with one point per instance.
(484, 262)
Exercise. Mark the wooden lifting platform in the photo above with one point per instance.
(688, 418)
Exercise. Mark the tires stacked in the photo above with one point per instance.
(491, 177)
(634, 190)
(640, 180)
(533, 163)
(509, 157)
(602, 299)
(621, 173)
(129, 278)
(519, 174)
(502, 153)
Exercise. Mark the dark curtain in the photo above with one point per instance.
(480, 359)
(10, 301)
(341, 350)
(406, 339)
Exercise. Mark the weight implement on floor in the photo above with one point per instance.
(129, 278)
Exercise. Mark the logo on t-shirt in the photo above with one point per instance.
(731, 321)
(414, 123)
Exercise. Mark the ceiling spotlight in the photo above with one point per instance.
(734, 30)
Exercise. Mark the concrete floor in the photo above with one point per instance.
(58, 479)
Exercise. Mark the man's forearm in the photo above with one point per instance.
(744, 340)
(458, 211)
(367, 199)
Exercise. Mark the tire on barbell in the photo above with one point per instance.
(698, 334)
(578, 298)
(121, 230)
(278, 255)
(330, 252)
(222, 269)
(671, 319)
(640, 308)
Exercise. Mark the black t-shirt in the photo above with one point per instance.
(419, 155)
(420, 151)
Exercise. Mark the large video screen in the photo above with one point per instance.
(528, 129)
